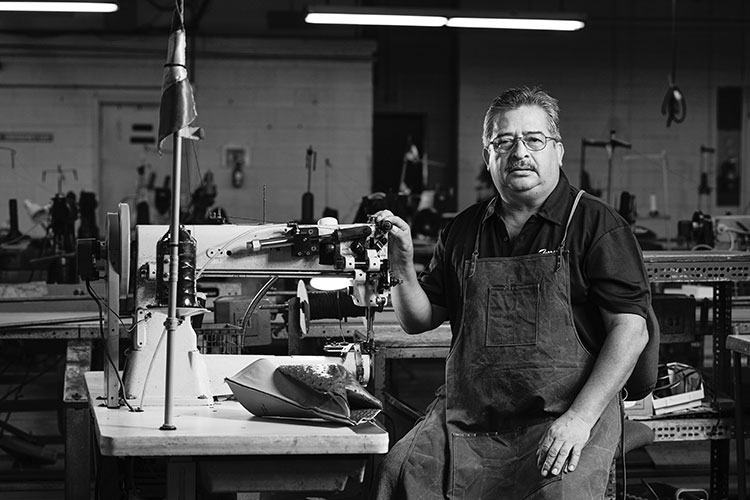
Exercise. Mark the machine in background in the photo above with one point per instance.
(720, 232)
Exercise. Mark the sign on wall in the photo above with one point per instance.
(27, 136)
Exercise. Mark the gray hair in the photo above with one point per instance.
(522, 96)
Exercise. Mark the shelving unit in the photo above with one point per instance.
(720, 270)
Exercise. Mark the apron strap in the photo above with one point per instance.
(561, 248)
(475, 253)
(570, 217)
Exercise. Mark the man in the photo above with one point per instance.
(547, 296)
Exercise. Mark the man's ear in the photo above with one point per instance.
(560, 153)
(486, 157)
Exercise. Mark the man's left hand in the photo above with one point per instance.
(561, 446)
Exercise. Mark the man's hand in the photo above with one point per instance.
(400, 244)
(413, 309)
(561, 446)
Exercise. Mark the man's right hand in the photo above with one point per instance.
(400, 244)
(413, 309)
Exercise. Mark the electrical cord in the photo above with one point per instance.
(115, 368)
(151, 365)
(100, 301)
(648, 485)
(681, 373)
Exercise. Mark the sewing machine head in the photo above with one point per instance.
(354, 251)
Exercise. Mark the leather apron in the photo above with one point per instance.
(515, 366)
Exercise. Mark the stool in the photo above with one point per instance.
(635, 435)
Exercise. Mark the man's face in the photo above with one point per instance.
(520, 171)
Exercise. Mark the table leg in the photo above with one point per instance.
(739, 428)
(180, 479)
(77, 421)
(77, 453)
(379, 375)
(108, 483)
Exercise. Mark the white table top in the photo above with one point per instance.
(226, 428)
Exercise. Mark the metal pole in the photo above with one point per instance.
(610, 153)
(174, 246)
(739, 428)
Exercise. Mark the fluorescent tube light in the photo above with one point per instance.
(436, 18)
(52, 6)
(510, 23)
(374, 19)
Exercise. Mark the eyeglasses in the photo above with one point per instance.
(534, 141)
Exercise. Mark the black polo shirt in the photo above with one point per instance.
(606, 262)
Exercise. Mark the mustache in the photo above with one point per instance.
(519, 165)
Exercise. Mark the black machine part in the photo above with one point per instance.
(698, 231)
(88, 255)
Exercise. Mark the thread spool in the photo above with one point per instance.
(653, 211)
(328, 221)
(334, 305)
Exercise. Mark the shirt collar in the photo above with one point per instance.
(554, 207)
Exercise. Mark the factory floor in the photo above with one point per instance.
(36, 472)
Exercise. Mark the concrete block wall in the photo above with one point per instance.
(273, 97)
(611, 80)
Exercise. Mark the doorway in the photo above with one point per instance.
(130, 168)
(393, 135)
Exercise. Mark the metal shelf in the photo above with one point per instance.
(721, 269)
(690, 429)
(692, 267)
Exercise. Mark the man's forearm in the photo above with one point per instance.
(625, 341)
(413, 309)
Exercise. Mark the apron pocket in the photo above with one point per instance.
(512, 312)
(490, 466)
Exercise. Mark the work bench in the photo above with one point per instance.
(231, 429)
(225, 449)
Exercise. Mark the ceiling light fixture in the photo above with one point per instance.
(435, 18)
(53, 6)
(373, 16)
(516, 23)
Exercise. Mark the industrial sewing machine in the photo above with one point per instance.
(357, 252)
(718, 232)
